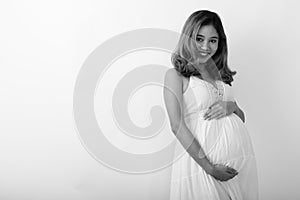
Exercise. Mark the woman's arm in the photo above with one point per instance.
(221, 109)
(174, 103)
(238, 111)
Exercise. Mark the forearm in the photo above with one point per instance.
(192, 146)
(239, 113)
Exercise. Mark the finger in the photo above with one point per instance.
(231, 170)
(208, 112)
(215, 106)
(215, 114)
(230, 176)
(220, 116)
(227, 177)
(212, 111)
(218, 113)
(234, 172)
(212, 105)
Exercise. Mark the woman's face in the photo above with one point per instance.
(207, 40)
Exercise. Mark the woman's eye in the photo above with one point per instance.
(199, 39)
(213, 41)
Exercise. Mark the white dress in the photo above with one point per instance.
(225, 141)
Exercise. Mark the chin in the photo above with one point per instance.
(204, 60)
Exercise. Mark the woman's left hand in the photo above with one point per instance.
(220, 109)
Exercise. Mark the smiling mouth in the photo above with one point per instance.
(204, 53)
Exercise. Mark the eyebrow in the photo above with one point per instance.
(214, 37)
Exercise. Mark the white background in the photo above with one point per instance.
(44, 44)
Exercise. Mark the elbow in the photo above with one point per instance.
(176, 126)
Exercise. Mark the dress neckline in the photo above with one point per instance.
(212, 85)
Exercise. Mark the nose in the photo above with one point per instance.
(204, 45)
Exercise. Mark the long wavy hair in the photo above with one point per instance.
(183, 54)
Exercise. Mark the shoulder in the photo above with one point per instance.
(174, 80)
(173, 72)
(173, 75)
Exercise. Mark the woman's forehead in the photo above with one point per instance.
(207, 30)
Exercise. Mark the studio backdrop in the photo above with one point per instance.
(82, 111)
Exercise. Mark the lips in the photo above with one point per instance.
(204, 53)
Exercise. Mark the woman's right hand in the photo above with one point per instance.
(222, 172)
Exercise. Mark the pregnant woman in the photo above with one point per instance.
(218, 162)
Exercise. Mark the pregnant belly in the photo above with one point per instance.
(225, 141)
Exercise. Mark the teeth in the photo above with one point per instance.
(204, 54)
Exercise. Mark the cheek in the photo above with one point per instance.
(214, 47)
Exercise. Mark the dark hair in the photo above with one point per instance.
(182, 54)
